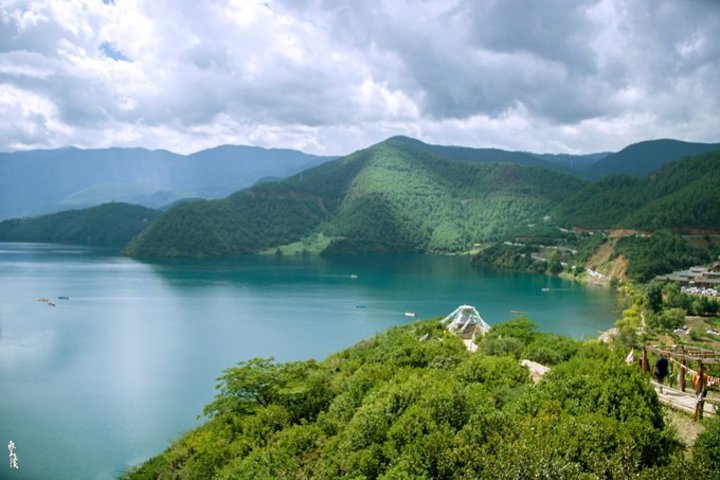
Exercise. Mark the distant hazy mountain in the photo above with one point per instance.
(43, 181)
(641, 159)
(577, 163)
(108, 225)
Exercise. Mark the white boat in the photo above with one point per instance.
(409, 314)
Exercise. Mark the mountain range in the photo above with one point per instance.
(403, 195)
(46, 181)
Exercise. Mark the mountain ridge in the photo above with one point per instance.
(680, 194)
(642, 158)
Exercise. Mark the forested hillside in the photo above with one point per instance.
(680, 195)
(387, 198)
(108, 225)
(414, 403)
(643, 158)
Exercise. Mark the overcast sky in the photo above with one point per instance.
(333, 76)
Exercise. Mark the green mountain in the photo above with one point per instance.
(681, 195)
(392, 197)
(643, 158)
(414, 403)
(108, 225)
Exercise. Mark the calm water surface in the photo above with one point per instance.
(107, 378)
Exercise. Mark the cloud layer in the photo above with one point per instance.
(333, 76)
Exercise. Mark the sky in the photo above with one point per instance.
(334, 76)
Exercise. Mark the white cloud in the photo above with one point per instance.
(331, 77)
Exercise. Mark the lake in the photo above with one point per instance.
(109, 376)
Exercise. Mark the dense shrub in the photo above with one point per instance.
(414, 403)
(707, 449)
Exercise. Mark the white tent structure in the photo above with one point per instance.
(466, 322)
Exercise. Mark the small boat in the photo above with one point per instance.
(353, 276)
(361, 306)
(50, 304)
(409, 314)
(63, 298)
(545, 289)
(42, 300)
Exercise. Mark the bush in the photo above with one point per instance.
(696, 334)
(707, 449)
(550, 349)
(671, 318)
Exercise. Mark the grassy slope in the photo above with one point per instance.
(386, 198)
(110, 224)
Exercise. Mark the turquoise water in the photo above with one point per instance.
(110, 376)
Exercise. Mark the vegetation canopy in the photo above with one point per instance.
(414, 403)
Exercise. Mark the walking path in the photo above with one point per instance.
(671, 397)
(684, 401)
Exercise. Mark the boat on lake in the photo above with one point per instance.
(409, 314)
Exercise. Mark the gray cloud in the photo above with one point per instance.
(332, 76)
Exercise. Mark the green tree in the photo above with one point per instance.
(554, 263)
(655, 296)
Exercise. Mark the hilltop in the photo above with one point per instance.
(396, 196)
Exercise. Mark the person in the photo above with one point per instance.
(661, 368)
